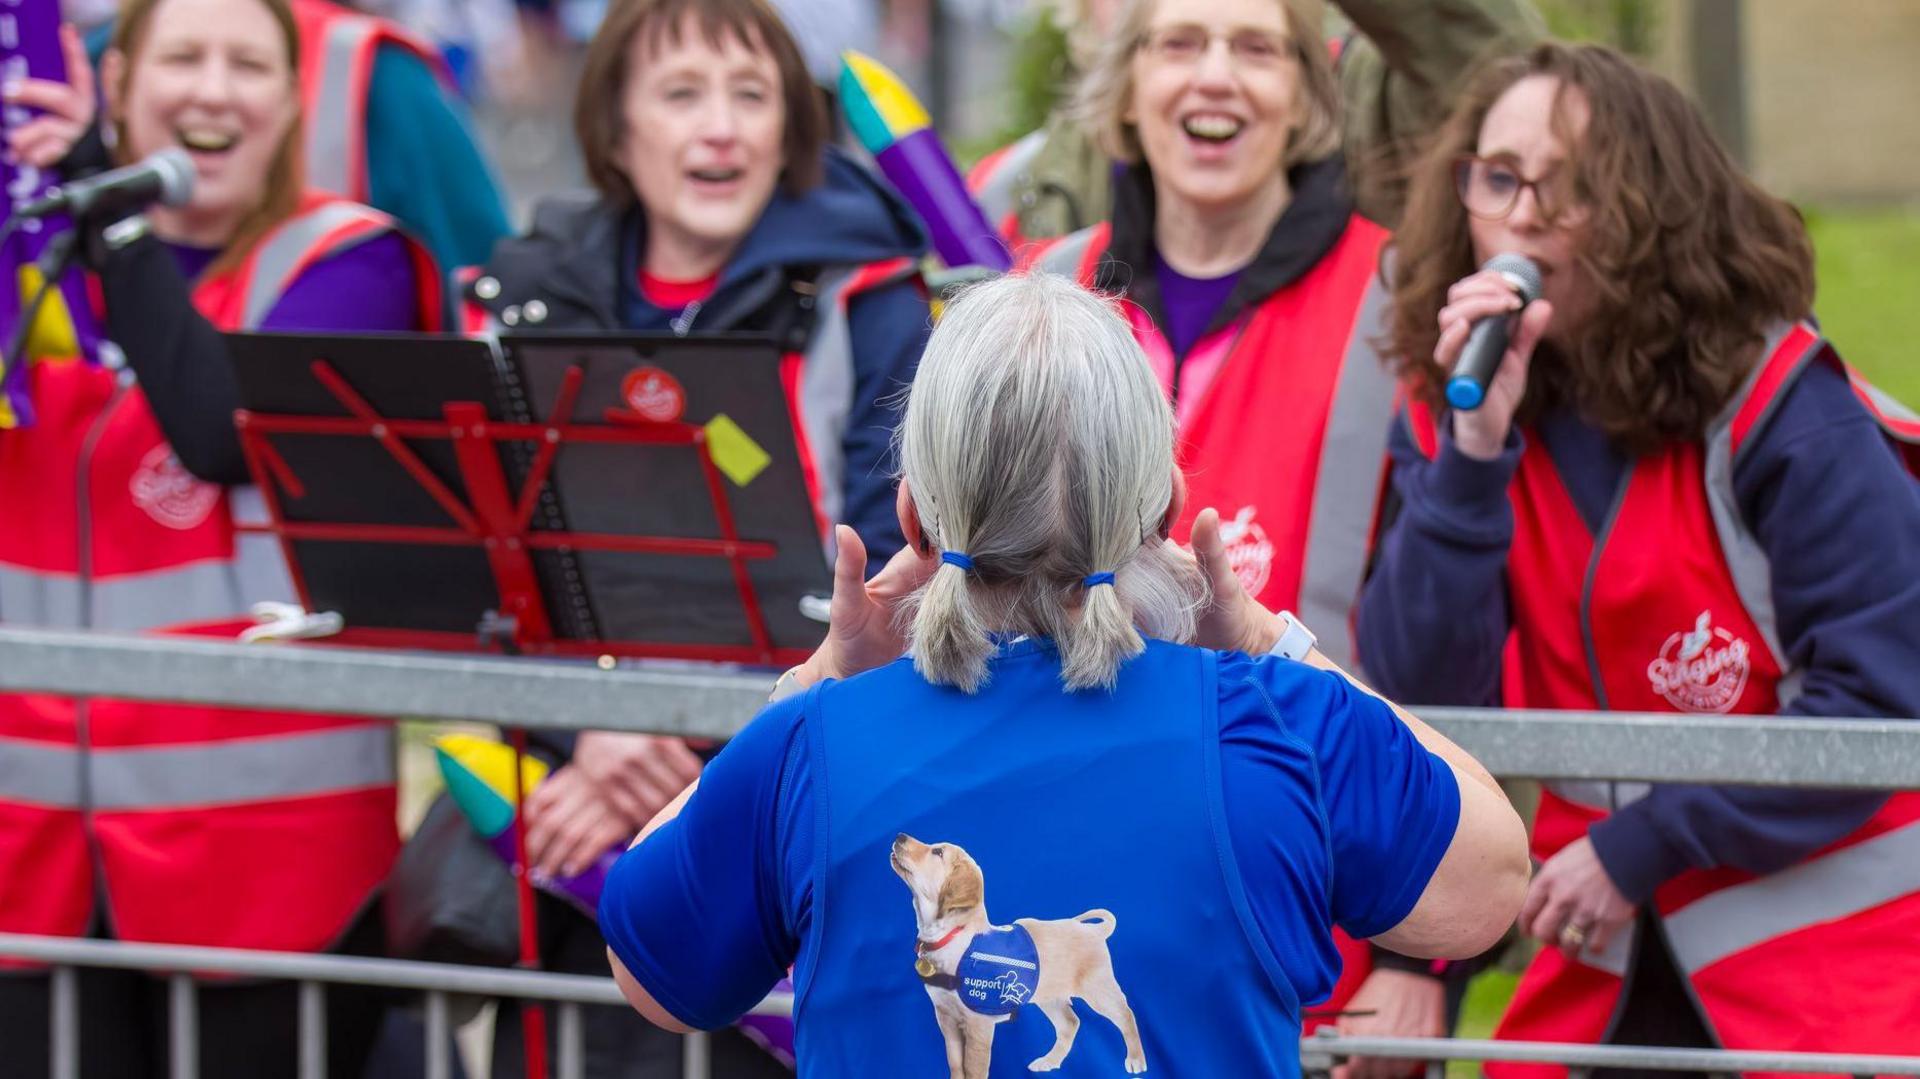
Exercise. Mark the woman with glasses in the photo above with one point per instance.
(1255, 289)
(1674, 498)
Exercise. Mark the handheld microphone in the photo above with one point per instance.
(166, 178)
(1487, 341)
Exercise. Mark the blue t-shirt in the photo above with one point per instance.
(713, 908)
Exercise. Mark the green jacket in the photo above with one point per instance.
(1398, 73)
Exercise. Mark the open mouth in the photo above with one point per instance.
(206, 140)
(1212, 127)
(717, 176)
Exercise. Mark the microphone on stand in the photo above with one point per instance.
(1487, 341)
(165, 177)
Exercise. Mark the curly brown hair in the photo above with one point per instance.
(1691, 261)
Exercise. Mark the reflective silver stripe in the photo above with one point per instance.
(1347, 486)
(1064, 258)
(1886, 405)
(1602, 794)
(285, 250)
(330, 122)
(996, 195)
(259, 565)
(826, 393)
(246, 770)
(197, 591)
(1613, 959)
(1843, 883)
(39, 773)
(1747, 562)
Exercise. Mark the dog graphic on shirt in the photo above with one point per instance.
(978, 974)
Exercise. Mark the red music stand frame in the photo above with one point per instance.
(499, 520)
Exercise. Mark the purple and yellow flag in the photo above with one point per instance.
(30, 48)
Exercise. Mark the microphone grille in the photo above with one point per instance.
(174, 167)
(1521, 271)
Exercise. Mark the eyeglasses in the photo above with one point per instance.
(1490, 190)
(1249, 49)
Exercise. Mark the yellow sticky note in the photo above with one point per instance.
(735, 451)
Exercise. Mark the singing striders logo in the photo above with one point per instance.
(654, 394)
(1703, 669)
(170, 494)
(1249, 551)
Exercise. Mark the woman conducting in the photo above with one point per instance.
(248, 830)
(1675, 498)
(719, 208)
(1054, 801)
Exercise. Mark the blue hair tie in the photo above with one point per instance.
(955, 558)
(1095, 580)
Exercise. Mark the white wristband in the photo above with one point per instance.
(1296, 640)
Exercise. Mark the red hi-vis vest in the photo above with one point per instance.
(1283, 421)
(337, 47)
(1671, 610)
(206, 826)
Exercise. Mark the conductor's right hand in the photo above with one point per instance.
(67, 108)
(1482, 433)
(1233, 620)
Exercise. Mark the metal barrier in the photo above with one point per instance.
(666, 699)
(182, 965)
(1318, 1053)
(683, 700)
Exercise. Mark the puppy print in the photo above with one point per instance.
(977, 973)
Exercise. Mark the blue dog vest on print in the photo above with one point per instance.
(999, 971)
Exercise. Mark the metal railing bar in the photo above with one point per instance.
(696, 1059)
(1319, 1052)
(335, 969)
(573, 1055)
(1765, 751)
(364, 681)
(64, 1008)
(439, 1032)
(313, 1030)
(183, 1021)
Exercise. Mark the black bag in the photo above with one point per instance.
(449, 898)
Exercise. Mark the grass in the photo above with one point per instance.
(1869, 293)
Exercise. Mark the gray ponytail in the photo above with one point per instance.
(1038, 443)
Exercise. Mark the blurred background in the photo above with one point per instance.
(1818, 99)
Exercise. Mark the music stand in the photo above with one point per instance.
(614, 495)
(640, 496)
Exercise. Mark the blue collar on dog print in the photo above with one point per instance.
(997, 974)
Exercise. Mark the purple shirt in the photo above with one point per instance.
(368, 288)
(1189, 303)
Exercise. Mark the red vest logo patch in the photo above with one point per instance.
(654, 394)
(1249, 551)
(1703, 669)
(169, 493)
